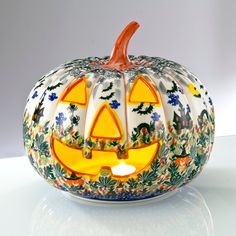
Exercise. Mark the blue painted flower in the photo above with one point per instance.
(35, 94)
(155, 116)
(60, 118)
(52, 96)
(188, 108)
(210, 101)
(173, 99)
(114, 104)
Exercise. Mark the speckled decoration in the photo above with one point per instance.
(179, 118)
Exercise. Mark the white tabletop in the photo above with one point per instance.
(29, 206)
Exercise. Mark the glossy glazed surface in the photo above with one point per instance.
(175, 112)
(206, 207)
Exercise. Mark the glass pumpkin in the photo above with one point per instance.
(119, 128)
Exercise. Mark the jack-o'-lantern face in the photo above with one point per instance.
(106, 129)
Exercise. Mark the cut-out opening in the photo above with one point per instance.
(123, 169)
(77, 93)
(143, 92)
(106, 124)
(72, 159)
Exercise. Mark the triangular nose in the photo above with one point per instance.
(106, 124)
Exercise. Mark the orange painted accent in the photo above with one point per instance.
(77, 93)
(182, 161)
(119, 59)
(73, 159)
(106, 125)
(143, 91)
(74, 182)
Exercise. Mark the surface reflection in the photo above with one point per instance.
(185, 213)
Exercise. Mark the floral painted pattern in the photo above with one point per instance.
(155, 116)
(52, 96)
(186, 140)
(173, 99)
(35, 94)
(114, 104)
(60, 119)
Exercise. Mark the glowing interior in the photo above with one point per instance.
(76, 93)
(142, 91)
(123, 169)
(105, 124)
(74, 160)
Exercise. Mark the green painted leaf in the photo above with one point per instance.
(48, 171)
(106, 182)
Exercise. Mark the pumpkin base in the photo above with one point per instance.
(82, 200)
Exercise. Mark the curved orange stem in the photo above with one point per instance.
(119, 58)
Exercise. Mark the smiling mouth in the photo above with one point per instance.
(74, 160)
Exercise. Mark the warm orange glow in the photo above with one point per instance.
(123, 169)
(77, 93)
(143, 91)
(106, 124)
(73, 159)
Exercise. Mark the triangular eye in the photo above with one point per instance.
(143, 91)
(105, 124)
(77, 93)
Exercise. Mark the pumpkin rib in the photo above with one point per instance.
(186, 98)
(194, 105)
(97, 76)
(161, 99)
(187, 102)
(198, 82)
(126, 111)
(164, 112)
(191, 104)
(209, 108)
(52, 83)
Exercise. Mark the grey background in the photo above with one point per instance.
(37, 36)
